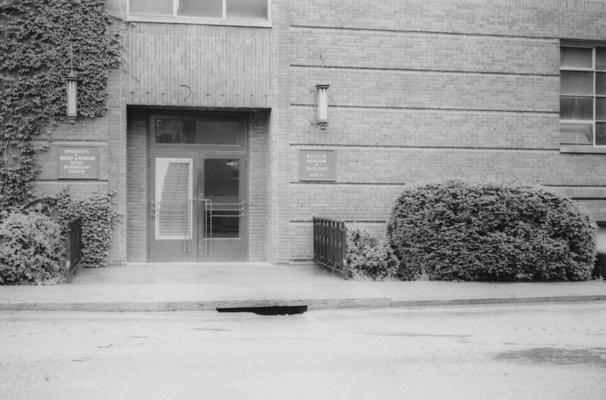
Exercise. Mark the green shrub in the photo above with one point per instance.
(31, 249)
(459, 230)
(98, 222)
(369, 258)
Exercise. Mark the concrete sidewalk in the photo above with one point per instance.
(184, 287)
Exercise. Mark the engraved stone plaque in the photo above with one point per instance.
(78, 162)
(317, 165)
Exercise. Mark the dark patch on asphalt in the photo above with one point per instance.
(592, 356)
(265, 310)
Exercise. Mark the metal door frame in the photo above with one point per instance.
(205, 239)
(199, 152)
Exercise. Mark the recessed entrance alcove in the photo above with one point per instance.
(196, 184)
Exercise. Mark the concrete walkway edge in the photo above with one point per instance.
(312, 304)
(206, 287)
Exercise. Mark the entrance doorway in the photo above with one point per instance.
(197, 188)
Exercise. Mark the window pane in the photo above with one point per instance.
(576, 133)
(600, 83)
(179, 131)
(575, 57)
(154, 7)
(247, 8)
(222, 187)
(576, 107)
(573, 82)
(217, 132)
(600, 108)
(173, 198)
(600, 134)
(174, 131)
(201, 8)
(600, 58)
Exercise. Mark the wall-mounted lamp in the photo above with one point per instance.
(322, 106)
(72, 96)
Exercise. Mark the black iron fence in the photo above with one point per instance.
(74, 245)
(330, 244)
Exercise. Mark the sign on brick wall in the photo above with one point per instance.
(78, 163)
(317, 165)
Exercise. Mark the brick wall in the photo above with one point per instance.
(419, 90)
(107, 135)
(258, 186)
(280, 126)
(136, 238)
(423, 90)
(189, 65)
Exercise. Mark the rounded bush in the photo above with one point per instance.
(31, 249)
(368, 257)
(476, 231)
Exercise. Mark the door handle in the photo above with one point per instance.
(153, 209)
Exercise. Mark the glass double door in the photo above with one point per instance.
(198, 206)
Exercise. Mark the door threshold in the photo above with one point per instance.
(200, 263)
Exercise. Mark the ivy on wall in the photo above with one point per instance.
(40, 41)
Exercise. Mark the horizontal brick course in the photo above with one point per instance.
(363, 88)
(532, 18)
(434, 128)
(345, 202)
(395, 165)
(404, 50)
(579, 192)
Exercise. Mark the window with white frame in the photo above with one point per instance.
(583, 95)
(205, 9)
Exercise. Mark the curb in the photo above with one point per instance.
(312, 304)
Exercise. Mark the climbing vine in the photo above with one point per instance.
(40, 42)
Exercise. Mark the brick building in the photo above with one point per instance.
(213, 144)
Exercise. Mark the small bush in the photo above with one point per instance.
(31, 249)
(491, 232)
(369, 258)
(98, 222)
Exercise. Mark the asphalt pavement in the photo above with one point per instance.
(553, 351)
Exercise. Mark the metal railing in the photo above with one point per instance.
(74, 245)
(211, 210)
(330, 244)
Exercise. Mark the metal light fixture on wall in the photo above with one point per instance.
(72, 96)
(72, 89)
(322, 106)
